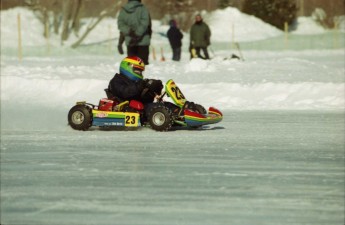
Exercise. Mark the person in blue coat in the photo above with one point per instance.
(175, 39)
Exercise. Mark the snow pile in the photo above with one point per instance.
(31, 28)
(286, 83)
(306, 25)
(340, 21)
(196, 65)
(230, 22)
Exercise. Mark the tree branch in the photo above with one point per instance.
(92, 26)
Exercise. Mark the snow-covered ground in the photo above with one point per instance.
(276, 158)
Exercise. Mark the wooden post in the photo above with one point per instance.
(232, 36)
(286, 30)
(153, 53)
(20, 54)
(162, 55)
(47, 37)
(336, 34)
(110, 45)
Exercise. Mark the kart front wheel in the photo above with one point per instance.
(80, 117)
(200, 109)
(160, 118)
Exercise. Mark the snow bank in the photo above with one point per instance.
(307, 26)
(230, 22)
(226, 96)
(228, 85)
(32, 28)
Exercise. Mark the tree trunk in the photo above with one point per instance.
(76, 11)
(56, 16)
(101, 16)
(67, 5)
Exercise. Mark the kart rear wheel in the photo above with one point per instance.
(80, 117)
(160, 118)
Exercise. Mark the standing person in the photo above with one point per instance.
(200, 35)
(175, 38)
(134, 23)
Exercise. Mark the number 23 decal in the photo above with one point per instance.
(177, 93)
(130, 119)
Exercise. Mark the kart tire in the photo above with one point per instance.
(200, 109)
(80, 117)
(160, 118)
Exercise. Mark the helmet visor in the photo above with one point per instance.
(138, 70)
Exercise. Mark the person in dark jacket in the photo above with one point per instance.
(200, 35)
(130, 85)
(134, 23)
(175, 39)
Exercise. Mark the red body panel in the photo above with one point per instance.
(106, 104)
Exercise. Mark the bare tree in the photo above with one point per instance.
(56, 16)
(93, 24)
(71, 17)
(41, 13)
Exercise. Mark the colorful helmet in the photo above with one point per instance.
(132, 67)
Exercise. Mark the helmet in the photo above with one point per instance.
(132, 67)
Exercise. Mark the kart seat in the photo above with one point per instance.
(111, 96)
(108, 93)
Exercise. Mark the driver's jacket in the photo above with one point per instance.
(124, 88)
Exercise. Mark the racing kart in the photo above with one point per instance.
(161, 115)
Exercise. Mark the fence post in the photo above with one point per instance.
(47, 37)
(232, 35)
(110, 44)
(286, 31)
(153, 53)
(20, 54)
(162, 55)
(336, 35)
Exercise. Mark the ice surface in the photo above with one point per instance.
(255, 167)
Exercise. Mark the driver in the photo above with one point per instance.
(130, 85)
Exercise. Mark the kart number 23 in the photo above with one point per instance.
(131, 119)
(177, 92)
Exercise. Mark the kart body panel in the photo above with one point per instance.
(195, 119)
(119, 119)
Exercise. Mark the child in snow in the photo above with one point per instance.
(175, 39)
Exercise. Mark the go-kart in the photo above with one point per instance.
(160, 115)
